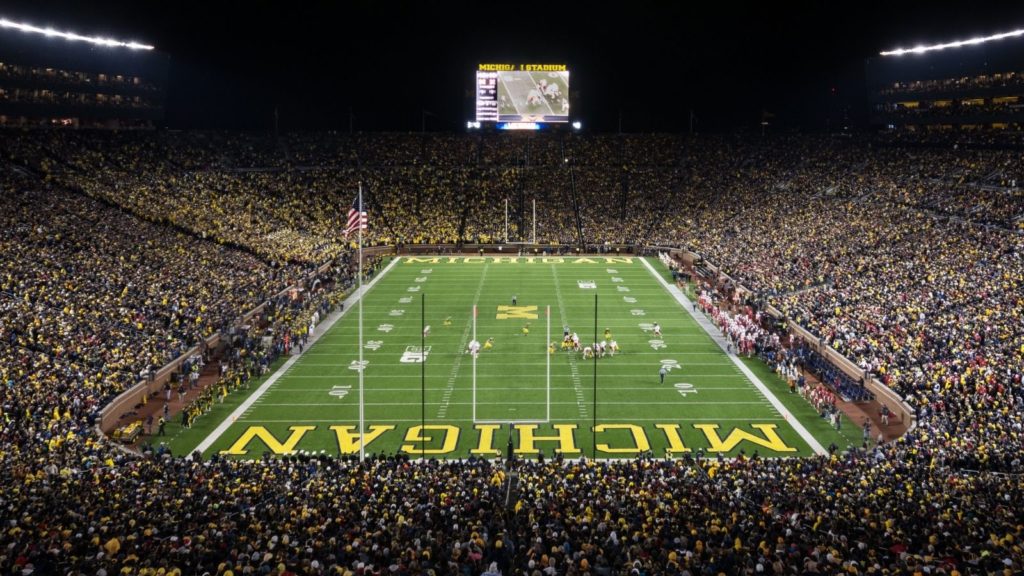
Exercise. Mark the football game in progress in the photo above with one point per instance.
(460, 352)
(531, 93)
(401, 288)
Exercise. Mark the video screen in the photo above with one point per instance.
(522, 93)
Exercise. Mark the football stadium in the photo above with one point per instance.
(527, 302)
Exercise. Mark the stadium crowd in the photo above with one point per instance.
(121, 251)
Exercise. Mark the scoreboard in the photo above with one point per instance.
(486, 96)
(522, 93)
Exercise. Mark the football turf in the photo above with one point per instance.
(705, 403)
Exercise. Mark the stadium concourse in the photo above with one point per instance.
(122, 250)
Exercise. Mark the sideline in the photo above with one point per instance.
(715, 335)
(319, 331)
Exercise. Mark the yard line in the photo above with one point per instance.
(503, 353)
(510, 97)
(319, 331)
(710, 329)
(676, 333)
(520, 403)
(538, 374)
(455, 292)
(572, 360)
(574, 369)
(553, 389)
(442, 410)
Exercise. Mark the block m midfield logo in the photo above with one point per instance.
(514, 312)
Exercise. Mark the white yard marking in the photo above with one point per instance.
(319, 331)
(442, 410)
(514, 403)
(713, 333)
(574, 369)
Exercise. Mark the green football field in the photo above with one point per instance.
(545, 402)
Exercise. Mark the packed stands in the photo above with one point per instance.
(123, 250)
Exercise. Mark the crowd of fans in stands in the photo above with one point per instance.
(121, 251)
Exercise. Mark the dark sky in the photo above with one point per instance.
(233, 62)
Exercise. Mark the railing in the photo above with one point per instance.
(112, 414)
(883, 394)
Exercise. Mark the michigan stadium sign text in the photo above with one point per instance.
(523, 67)
(444, 439)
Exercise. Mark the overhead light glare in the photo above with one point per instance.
(919, 49)
(51, 33)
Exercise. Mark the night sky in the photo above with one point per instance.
(232, 63)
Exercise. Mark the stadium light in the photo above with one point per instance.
(979, 40)
(50, 32)
(577, 125)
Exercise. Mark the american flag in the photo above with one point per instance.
(356, 217)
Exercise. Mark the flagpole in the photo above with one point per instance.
(593, 435)
(359, 291)
(423, 375)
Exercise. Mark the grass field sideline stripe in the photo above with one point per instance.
(320, 330)
(709, 328)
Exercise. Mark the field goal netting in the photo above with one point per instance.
(512, 380)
